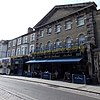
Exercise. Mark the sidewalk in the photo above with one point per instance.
(81, 87)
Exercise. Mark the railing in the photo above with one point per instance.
(62, 48)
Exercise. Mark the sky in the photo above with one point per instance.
(16, 16)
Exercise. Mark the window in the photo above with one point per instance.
(31, 48)
(26, 50)
(18, 51)
(68, 42)
(80, 21)
(22, 50)
(25, 39)
(41, 46)
(57, 28)
(48, 45)
(58, 43)
(81, 39)
(9, 44)
(49, 30)
(0, 47)
(68, 25)
(13, 52)
(8, 53)
(14, 42)
(33, 37)
(41, 33)
(19, 41)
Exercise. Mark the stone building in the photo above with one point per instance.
(65, 34)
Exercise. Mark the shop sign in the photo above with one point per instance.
(16, 62)
(76, 78)
(46, 75)
(5, 60)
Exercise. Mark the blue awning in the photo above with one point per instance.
(55, 60)
(36, 61)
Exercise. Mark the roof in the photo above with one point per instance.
(77, 7)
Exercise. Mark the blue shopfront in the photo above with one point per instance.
(18, 65)
(72, 65)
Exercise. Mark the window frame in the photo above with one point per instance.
(81, 39)
(68, 25)
(19, 41)
(9, 44)
(80, 21)
(68, 42)
(25, 39)
(41, 33)
(58, 28)
(31, 48)
(49, 30)
(14, 42)
(32, 37)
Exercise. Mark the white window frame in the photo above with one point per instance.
(32, 37)
(9, 44)
(80, 21)
(68, 42)
(14, 42)
(57, 28)
(32, 48)
(13, 52)
(19, 41)
(49, 30)
(41, 33)
(68, 25)
(18, 51)
(25, 39)
(22, 50)
(8, 53)
(81, 39)
(26, 50)
(49, 45)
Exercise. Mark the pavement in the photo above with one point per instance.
(81, 87)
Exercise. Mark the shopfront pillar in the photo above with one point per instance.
(90, 65)
(29, 68)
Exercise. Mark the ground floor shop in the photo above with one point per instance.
(5, 65)
(18, 65)
(59, 69)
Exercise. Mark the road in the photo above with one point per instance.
(37, 91)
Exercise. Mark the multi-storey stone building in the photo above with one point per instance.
(66, 37)
(65, 40)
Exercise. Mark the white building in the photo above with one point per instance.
(3, 48)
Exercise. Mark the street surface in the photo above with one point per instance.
(13, 89)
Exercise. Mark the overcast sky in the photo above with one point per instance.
(17, 15)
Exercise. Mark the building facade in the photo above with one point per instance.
(20, 49)
(3, 49)
(67, 32)
(67, 39)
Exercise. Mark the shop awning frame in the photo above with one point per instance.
(65, 60)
